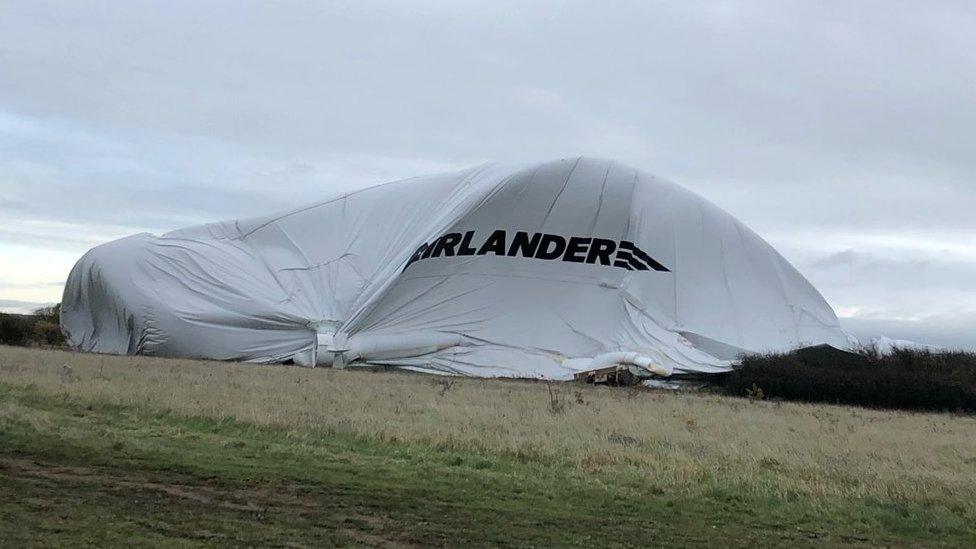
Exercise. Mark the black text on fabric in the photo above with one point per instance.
(544, 246)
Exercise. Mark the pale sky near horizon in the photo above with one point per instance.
(842, 132)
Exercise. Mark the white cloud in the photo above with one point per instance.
(33, 275)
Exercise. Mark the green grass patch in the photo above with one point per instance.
(78, 471)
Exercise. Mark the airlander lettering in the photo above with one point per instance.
(550, 247)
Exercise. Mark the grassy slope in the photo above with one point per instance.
(82, 463)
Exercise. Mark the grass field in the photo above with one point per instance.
(141, 451)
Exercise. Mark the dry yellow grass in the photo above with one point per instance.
(672, 440)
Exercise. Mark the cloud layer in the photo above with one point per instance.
(841, 132)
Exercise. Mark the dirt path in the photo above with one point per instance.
(52, 482)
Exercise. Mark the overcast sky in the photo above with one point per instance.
(842, 132)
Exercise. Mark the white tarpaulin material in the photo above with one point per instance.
(536, 271)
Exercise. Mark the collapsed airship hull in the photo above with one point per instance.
(536, 271)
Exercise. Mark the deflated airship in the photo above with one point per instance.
(494, 271)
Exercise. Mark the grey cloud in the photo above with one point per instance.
(918, 270)
(5, 284)
(845, 258)
(20, 307)
(915, 294)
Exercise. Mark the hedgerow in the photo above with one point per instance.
(41, 328)
(910, 379)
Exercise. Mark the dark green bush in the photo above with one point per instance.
(906, 378)
(15, 329)
(48, 333)
(41, 328)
